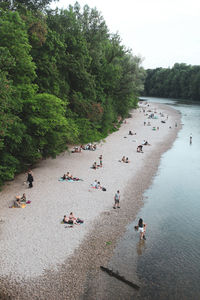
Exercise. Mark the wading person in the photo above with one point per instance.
(142, 229)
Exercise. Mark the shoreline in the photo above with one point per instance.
(68, 280)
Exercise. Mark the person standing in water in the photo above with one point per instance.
(142, 229)
(190, 138)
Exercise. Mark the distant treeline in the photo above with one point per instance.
(181, 81)
(64, 78)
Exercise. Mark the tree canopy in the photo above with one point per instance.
(181, 81)
(64, 78)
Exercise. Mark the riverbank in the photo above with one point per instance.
(40, 258)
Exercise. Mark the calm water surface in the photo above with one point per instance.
(167, 264)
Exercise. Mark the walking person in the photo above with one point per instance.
(116, 199)
(101, 161)
(30, 178)
(142, 229)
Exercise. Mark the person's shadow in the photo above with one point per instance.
(141, 246)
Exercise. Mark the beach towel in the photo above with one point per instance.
(70, 180)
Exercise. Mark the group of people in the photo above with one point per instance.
(20, 201)
(89, 146)
(72, 219)
(96, 184)
(95, 166)
(69, 176)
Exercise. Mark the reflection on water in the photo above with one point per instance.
(140, 247)
(167, 265)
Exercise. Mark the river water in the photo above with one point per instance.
(167, 265)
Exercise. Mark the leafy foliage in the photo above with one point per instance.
(181, 82)
(63, 79)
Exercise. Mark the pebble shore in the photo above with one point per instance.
(40, 258)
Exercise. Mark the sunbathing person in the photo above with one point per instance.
(69, 176)
(19, 200)
(94, 166)
(139, 149)
(123, 159)
(131, 133)
(65, 219)
(146, 143)
(72, 218)
(77, 150)
(64, 177)
(127, 161)
(98, 185)
(94, 184)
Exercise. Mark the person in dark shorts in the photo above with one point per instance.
(116, 199)
(30, 178)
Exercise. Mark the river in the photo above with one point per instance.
(167, 265)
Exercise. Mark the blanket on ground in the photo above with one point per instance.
(70, 180)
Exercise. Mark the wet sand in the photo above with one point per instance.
(40, 258)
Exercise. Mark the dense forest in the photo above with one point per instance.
(64, 79)
(181, 82)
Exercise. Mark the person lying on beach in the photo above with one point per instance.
(77, 149)
(95, 166)
(139, 149)
(145, 143)
(127, 161)
(131, 133)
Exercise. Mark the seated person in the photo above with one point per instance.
(123, 159)
(94, 166)
(94, 184)
(127, 161)
(94, 147)
(139, 148)
(72, 218)
(17, 202)
(23, 198)
(65, 219)
(98, 185)
(69, 176)
(76, 149)
(64, 177)
(20, 200)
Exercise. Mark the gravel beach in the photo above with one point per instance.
(42, 259)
